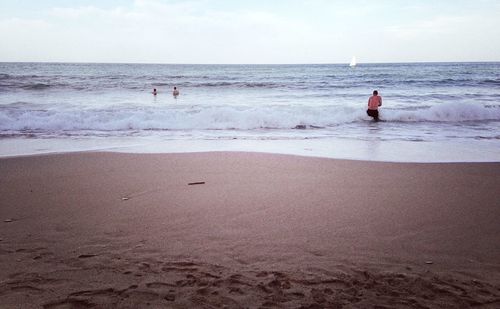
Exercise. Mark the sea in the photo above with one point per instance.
(432, 112)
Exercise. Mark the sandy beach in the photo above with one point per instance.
(246, 230)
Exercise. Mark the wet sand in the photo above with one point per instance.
(259, 230)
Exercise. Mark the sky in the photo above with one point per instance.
(256, 31)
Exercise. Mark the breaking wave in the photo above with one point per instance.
(31, 117)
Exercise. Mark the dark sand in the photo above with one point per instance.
(108, 230)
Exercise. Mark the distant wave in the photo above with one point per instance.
(254, 79)
(495, 82)
(36, 86)
(24, 117)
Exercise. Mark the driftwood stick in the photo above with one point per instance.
(196, 183)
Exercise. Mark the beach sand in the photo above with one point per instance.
(128, 231)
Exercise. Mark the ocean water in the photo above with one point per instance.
(431, 111)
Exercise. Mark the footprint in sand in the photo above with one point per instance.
(158, 285)
(68, 303)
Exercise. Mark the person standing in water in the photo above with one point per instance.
(373, 104)
(155, 92)
(175, 92)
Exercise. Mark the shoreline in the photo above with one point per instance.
(334, 148)
(103, 229)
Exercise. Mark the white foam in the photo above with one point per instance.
(447, 112)
(225, 117)
(374, 150)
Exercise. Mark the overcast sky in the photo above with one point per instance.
(253, 31)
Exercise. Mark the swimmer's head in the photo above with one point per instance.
(175, 88)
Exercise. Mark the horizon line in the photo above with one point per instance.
(312, 63)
